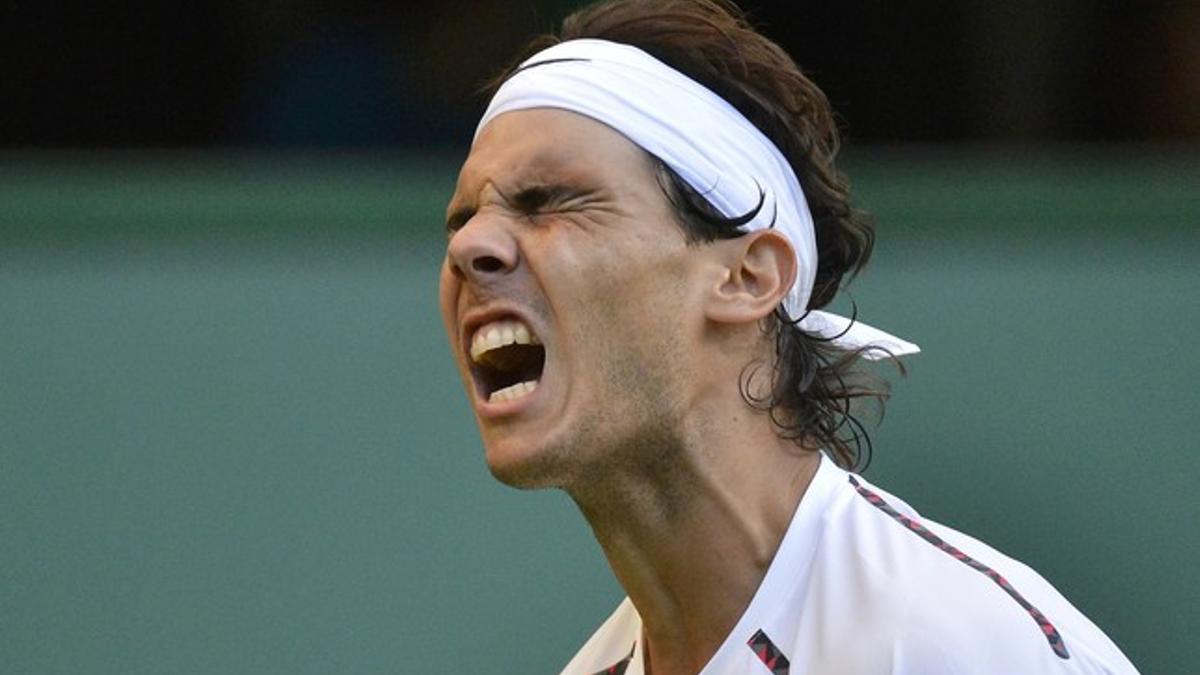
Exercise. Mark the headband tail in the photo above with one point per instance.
(852, 335)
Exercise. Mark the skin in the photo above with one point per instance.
(559, 220)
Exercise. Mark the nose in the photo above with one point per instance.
(482, 249)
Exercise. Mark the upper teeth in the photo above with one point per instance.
(500, 334)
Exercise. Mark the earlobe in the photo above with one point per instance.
(758, 270)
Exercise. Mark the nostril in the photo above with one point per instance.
(487, 264)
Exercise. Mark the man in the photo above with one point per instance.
(639, 242)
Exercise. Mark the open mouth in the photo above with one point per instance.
(506, 360)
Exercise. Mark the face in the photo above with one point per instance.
(569, 296)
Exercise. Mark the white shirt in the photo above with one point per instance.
(861, 585)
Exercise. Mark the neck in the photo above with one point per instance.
(691, 525)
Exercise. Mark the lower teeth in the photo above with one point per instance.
(512, 392)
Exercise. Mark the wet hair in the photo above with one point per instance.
(813, 383)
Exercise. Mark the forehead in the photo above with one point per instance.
(545, 144)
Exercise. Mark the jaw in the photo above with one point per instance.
(527, 453)
(586, 439)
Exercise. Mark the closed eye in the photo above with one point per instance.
(530, 200)
(540, 198)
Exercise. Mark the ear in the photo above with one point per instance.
(756, 271)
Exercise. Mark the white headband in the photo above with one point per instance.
(701, 137)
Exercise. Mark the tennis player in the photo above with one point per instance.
(640, 242)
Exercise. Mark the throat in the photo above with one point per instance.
(692, 543)
(689, 561)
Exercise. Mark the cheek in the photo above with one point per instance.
(606, 275)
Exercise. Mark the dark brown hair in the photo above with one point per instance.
(813, 383)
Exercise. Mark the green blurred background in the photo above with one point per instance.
(232, 439)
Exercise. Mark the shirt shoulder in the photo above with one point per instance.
(941, 601)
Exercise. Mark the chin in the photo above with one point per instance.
(523, 467)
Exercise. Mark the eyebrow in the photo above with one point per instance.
(459, 217)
